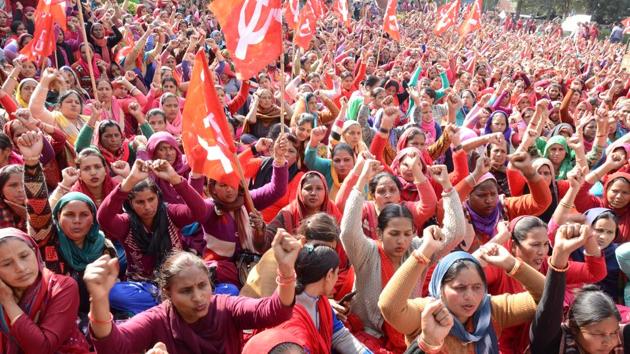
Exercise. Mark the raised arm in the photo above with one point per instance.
(38, 99)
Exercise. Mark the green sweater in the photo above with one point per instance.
(84, 139)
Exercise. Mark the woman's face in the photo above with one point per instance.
(28, 69)
(292, 154)
(352, 135)
(266, 100)
(104, 91)
(68, 78)
(92, 171)
(315, 82)
(556, 154)
(386, 192)
(26, 90)
(171, 62)
(170, 108)
(346, 83)
(546, 174)
(312, 104)
(523, 103)
(406, 169)
(590, 129)
(313, 193)
(463, 294)
(599, 337)
(534, 248)
(169, 86)
(343, 163)
(604, 230)
(499, 123)
(265, 83)
(618, 194)
(157, 122)
(554, 93)
(303, 131)
(145, 204)
(498, 155)
(13, 190)
(70, 107)
(397, 236)
(111, 139)
(468, 100)
(483, 199)
(19, 30)
(225, 193)
(190, 293)
(18, 264)
(165, 151)
(75, 220)
(418, 141)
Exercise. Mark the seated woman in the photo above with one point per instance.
(376, 260)
(12, 197)
(263, 113)
(191, 319)
(593, 319)
(135, 214)
(459, 282)
(561, 156)
(313, 323)
(39, 308)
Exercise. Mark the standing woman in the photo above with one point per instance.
(191, 319)
(38, 307)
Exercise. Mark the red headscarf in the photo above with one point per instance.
(297, 208)
(622, 213)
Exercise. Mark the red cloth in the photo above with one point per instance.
(395, 340)
(304, 332)
(108, 186)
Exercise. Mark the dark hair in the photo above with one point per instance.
(460, 265)
(375, 91)
(391, 211)
(176, 263)
(143, 185)
(606, 215)
(287, 347)
(429, 91)
(313, 263)
(68, 94)
(342, 147)
(306, 118)
(525, 225)
(591, 305)
(87, 152)
(374, 181)
(156, 112)
(275, 130)
(171, 79)
(345, 74)
(318, 227)
(107, 124)
(105, 80)
(371, 81)
(6, 172)
(15, 24)
(5, 142)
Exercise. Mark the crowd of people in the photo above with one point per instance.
(437, 194)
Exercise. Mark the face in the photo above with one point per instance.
(343, 163)
(165, 151)
(556, 154)
(498, 155)
(604, 232)
(352, 135)
(303, 132)
(225, 193)
(546, 174)
(157, 122)
(427, 113)
(92, 171)
(330, 282)
(468, 99)
(599, 337)
(590, 129)
(13, 190)
(418, 141)
(316, 82)
(70, 107)
(26, 90)
(554, 93)
(169, 86)
(21, 29)
(386, 192)
(145, 204)
(104, 91)
(111, 139)
(266, 100)
(313, 193)
(346, 83)
(291, 155)
(170, 106)
(397, 236)
(483, 199)
(618, 193)
(498, 124)
(534, 248)
(190, 292)
(28, 69)
(312, 104)
(76, 219)
(18, 264)
(463, 294)
(98, 31)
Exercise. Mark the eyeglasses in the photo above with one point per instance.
(602, 336)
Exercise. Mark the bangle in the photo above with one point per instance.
(280, 281)
(285, 277)
(566, 205)
(63, 188)
(447, 191)
(16, 318)
(428, 348)
(95, 321)
(420, 257)
(600, 136)
(559, 270)
(31, 160)
(515, 268)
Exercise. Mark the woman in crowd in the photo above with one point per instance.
(191, 319)
(164, 146)
(263, 113)
(12, 197)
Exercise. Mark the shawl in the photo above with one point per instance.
(409, 191)
(296, 207)
(484, 336)
(174, 127)
(394, 339)
(404, 140)
(555, 197)
(102, 43)
(180, 165)
(303, 330)
(240, 214)
(429, 130)
(567, 164)
(507, 133)
(622, 213)
(557, 130)
(484, 224)
(121, 155)
(108, 186)
(266, 171)
(18, 97)
(94, 244)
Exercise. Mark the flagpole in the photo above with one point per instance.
(88, 51)
(282, 82)
(380, 45)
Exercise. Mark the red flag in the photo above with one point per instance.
(56, 8)
(292, 12)
(318, 8)
(253, 32)
(447, 16)
(43, 42)
(307, 23)
(208, 143)
(340, 7)
(390, 22)
(472, 22)
(626, 22)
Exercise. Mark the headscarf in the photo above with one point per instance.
(623, 213)
(240, 215)
(102, 43)
(566, 165)
(180, 165)
(553, 187)
(507, 133)
(409, 190)
(174, 127)
(94, 244)
(108, 184)
(18, 96)
(404, 140)
(559, 128)
(484, 224)
(361, 145)
(297, 208)
(34, 299)
(593, 213)
(484, 337)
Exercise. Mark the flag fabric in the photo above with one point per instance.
(207, 140)
(292, 12)
(307, 23)
(447, 17)
(626, 23)
(340, 7)
(318, 8)
(47, 13)
(472, 20)
(390, 22)
(56, 8)
(253, 33)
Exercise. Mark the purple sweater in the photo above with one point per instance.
(223, 227)
(220, 331)
(115, 223)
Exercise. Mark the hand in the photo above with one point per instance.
(575, 143)
(286, 249)
(100, 276)
(130, 76)
(436, 322)
(387, 101)
(482, 166)
(263, 145)
(49, 76)
(389, 116)
(163, 170)
(454, 101)
(495, 138)
(158, 348)
(523, 162)
(31, 145)
(432, 240)
(69, 176)
(255, 220)
(575, 177)
(97, 109)
(139, 171)
(317, 134)
(341, 310)
(543, 104)
(280, 150)
(614, 160)
(453, 132)
(497, 255)
(6, 294)
(440, 175)
(140, 140)
(134, 108)
(121, 168)
(370, 169)
(568, 239)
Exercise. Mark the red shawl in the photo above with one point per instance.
(108, 187)
(370, 220)
(395, 341)
(624, 213)
(304, 332)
